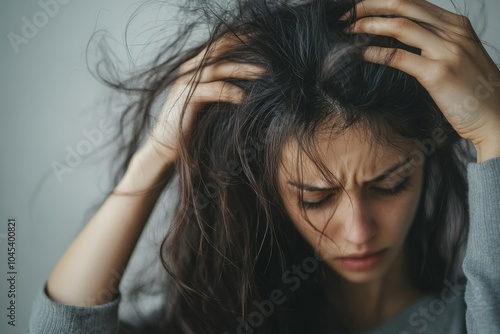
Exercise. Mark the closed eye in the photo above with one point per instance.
(315, 205)
(395, 190)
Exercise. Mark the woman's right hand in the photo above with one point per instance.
(166, 134)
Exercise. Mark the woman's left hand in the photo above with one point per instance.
(453, 65)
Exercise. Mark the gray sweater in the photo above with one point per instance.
(471, 308)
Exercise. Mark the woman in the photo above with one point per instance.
(323, 179)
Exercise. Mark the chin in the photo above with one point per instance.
(362, 277)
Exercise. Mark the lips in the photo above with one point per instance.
(363, 261)
(361, 255)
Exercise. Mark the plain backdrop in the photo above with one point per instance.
(49, 101)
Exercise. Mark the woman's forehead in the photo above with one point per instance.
(349, 155)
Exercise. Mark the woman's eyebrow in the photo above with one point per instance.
(310, 187)
(389, 171)
(383, 176)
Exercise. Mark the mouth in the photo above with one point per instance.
(361, 255)
(362, 261)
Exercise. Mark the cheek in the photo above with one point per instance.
(397, 217)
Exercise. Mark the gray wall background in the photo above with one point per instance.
(49, 99)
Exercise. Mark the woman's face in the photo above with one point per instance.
(367, 216)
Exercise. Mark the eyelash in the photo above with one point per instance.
(316, 205)
(394, 191)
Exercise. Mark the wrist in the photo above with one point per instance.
(147, 169)
(153, 153)
(488, 150)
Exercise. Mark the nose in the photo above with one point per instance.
(356, 223)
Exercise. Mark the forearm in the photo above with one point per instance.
(89, 271)
(480, 265)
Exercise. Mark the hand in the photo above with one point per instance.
(453, 65)
(208, 86)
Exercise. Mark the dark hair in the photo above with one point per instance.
(230, 241)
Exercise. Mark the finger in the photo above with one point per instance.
(218, 91)
(420, 10)
(415, 65)
(225, 43)
(225, 70)
(212, 51)
(203, 93)
(404, 30)
(417, 10)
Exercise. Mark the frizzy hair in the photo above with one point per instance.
(230, 240)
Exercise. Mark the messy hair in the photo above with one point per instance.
(230, 240)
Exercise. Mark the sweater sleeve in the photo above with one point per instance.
(481, 264)
(48, 316)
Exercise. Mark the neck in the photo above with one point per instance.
(367, 305)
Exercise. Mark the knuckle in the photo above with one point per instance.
(456, 49)
(398, 57)
(401, 23)
(441, 71)
(208, 72)
(220, 86)
(218, 90)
